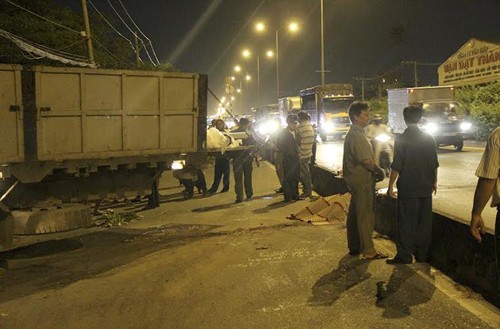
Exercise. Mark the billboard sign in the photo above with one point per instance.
(474, 63)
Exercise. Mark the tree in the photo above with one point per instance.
(483, 103)
(110, 51)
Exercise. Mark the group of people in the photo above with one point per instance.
(242, 162)
(293, 154)
(414, 170)
(293, 148)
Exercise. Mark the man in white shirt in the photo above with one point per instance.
(488, 185)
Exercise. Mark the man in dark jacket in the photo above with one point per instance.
(288, 144)
(415, 163)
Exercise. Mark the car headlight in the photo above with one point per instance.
(328, 126)
(465, 126)
(268, 127)
(383, 138)
(430, 128)
(178, 164)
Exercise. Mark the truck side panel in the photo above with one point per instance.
(11, 118)
(397, 101)
(445, 93)
(85, 114)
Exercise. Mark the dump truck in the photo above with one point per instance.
(328, 106)
(443, 116)
(78, 134)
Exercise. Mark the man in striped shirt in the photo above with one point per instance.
(488, 185)
(306, 137)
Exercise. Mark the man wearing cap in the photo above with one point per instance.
(288, 144)
(360, 172)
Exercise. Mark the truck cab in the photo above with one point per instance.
(328, 106)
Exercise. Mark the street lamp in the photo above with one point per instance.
(292, 27)
(238, 69)
(246, 53)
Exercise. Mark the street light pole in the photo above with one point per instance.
(322, 48)
(277, 68)
(258, 80)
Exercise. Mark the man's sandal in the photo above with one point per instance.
(378, 255)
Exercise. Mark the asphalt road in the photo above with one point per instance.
(456, 179)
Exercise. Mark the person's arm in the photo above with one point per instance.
(435, 186)
(392, 179)
(370, 165)
(484, 190)
(364, 154)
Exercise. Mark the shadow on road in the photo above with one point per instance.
(218, 207)
(406, 288)
(350, 272)
(58, 263)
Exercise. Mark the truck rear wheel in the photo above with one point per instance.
(459, 145)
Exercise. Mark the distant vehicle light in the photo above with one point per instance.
(178, 164)
(430, 128)
(328, 127)
(269, 127)
(383, 138)
(465, 126)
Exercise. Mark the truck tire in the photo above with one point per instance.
(324, 137)
(459, 145)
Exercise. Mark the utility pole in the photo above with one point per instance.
(136, 48)
(87, 32)
(362, 89)
(362, 86)
(415, 73)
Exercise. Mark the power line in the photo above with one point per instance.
(133, 22)
(111, 25)
(71, 44)
(41, 17)
(49, 49)
(123, 21)
(42, 53)
(111, 53)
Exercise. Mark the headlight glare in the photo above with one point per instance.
(465, 126)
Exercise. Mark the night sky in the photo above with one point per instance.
(207, 36)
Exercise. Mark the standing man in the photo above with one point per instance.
(222, 168)
(360, 173)
(415, 163)
(488, 185)
(306, 138)
(289, 146)
(242, 163)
